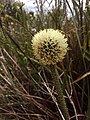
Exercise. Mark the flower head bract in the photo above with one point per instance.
(49, 46)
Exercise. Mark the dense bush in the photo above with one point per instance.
(26, 86)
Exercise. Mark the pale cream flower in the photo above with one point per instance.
(49, 46)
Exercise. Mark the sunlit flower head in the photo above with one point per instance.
(49, 46)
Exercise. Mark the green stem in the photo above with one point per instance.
(58, 87)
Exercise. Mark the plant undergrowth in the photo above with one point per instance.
(27, 91)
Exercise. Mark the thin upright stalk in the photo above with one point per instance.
(60, 97)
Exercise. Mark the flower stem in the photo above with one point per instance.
(60, 98)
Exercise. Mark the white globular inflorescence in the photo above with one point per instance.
(49, 46)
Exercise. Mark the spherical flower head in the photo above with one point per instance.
(49, 46)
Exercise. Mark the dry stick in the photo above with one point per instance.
(53, 97)
(76, 115)
(59, 91)
(81, 52)
(39, 105)
(54, 100)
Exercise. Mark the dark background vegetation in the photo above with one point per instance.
(24, 82)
